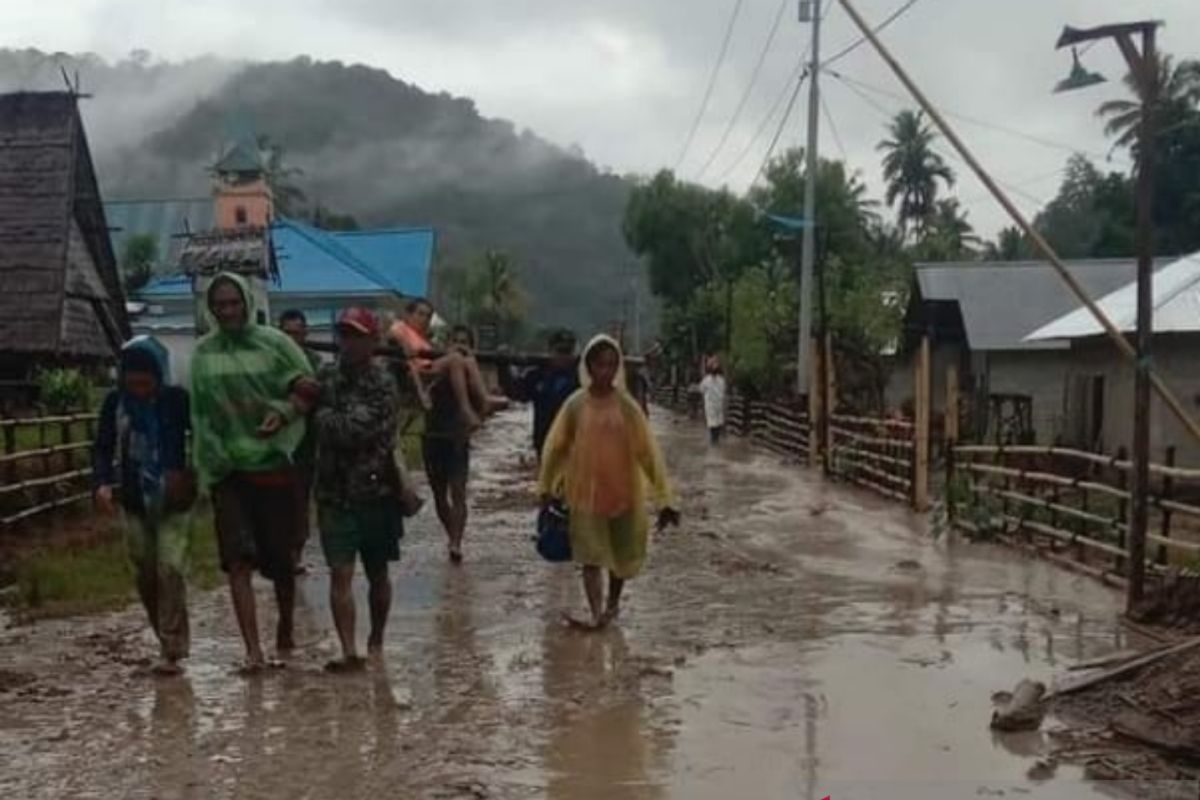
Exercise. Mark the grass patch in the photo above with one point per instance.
(98, 576)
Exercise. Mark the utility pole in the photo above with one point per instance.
(1143, 66)
(810, 10)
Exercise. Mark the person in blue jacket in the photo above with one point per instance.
(140, 472)
(546, 387)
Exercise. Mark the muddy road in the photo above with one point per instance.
(793, 639)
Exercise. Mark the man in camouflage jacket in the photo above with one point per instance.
(357, 481)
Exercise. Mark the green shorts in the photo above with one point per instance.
(370, 530)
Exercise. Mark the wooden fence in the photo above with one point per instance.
(1073, 501)
(45, 464)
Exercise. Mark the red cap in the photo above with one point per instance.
(360, 319)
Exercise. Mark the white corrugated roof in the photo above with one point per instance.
(1176, 306)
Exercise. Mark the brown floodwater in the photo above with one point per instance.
(793, 639)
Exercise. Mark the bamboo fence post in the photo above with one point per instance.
(921, 429)
(1168, 492)
(830, 400)
(1123, 507)
(951, 404)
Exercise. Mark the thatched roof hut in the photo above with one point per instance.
(60, 290)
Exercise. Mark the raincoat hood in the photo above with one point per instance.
(146, 354)
(585, 377)
(247, 297)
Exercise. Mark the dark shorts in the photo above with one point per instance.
(447, 459)
(715, 434)
(369, 530)
(256, 521)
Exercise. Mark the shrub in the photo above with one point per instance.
(63, 389)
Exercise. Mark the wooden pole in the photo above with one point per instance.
(829, 372)
(921, 429)
(816, 405)
(1039, 241)
(951, 414)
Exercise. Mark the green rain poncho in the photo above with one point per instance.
(237, 378)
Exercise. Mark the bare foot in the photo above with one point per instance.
(346, 664)
(252, 667)
(610, 615)
(167, 668)
(588, 626)
(375, 643)
(285, 642)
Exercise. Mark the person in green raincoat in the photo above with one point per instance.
(251, 389)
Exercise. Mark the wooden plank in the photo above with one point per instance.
(951, 423)
(921, 431)
(1113, 462)
(904, 444)
(875, 421)
(1128, 668)
(23, 455)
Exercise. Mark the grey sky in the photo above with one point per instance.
(623, 78)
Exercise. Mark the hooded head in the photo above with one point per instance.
(602, 365)
(144, 367)
(230, 303)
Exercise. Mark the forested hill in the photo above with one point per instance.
(369, 145)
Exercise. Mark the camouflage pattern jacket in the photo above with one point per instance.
(355, 422)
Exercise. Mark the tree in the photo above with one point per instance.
(1092, 215)
(1010, 245)
(138, 260)
(912, 169)
(1178, 96)
(288, 196)
(948, 235)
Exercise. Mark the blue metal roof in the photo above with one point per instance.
(317, 262)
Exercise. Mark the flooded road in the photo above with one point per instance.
(793, 639)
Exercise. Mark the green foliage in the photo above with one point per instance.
(63, 389)
(911, 170)
(138, 261)
(1093, 214)
(764, 327)
(487, 292)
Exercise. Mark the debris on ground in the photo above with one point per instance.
(1020, 710)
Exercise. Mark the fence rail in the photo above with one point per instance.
(45, 464)
(1073, 499)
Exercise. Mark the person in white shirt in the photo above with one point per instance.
(713, 389)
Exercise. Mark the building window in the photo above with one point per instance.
(239, 215)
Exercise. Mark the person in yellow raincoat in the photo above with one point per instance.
(601, 457)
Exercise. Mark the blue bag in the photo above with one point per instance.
(553, 533)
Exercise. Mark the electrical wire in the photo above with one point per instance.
(850, 48)
(983, 123)
(741, 106)
(779, 131)
(800, 72)
(712, 82)
(837, 138)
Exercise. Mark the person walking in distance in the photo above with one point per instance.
(358, 509)
(546, 386)
(294, 323)
(713, 393)
(143, 426)
(600, 456)
(251, 389)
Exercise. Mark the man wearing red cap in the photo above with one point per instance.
(357, 481)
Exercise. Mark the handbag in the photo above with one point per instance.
(554, 533)
(180, 491)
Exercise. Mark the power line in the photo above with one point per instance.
(995, 126)
(850, 48)
(712, 82)
(797, 74)
(779, 131)
(833, 128)
(737, 113)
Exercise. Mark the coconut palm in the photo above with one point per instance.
(1178, 98)
(912, 169)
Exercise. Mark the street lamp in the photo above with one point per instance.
(1143, 65)
(1079, 78)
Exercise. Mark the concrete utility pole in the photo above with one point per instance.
(810, 11)
(1143, 66)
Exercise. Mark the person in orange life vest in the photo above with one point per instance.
(458, 367)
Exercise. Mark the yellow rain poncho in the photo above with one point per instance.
(602, 458)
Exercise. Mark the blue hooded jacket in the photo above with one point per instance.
(128, 424)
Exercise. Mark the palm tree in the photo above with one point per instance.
(947, 234)
(912, 169)
(1178, 97)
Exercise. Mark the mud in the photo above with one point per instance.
(793, 639)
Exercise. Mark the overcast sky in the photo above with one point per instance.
(624, 78)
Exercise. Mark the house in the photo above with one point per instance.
(288, 263)
(1099, 381)
(978, 315)
(62, 301)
